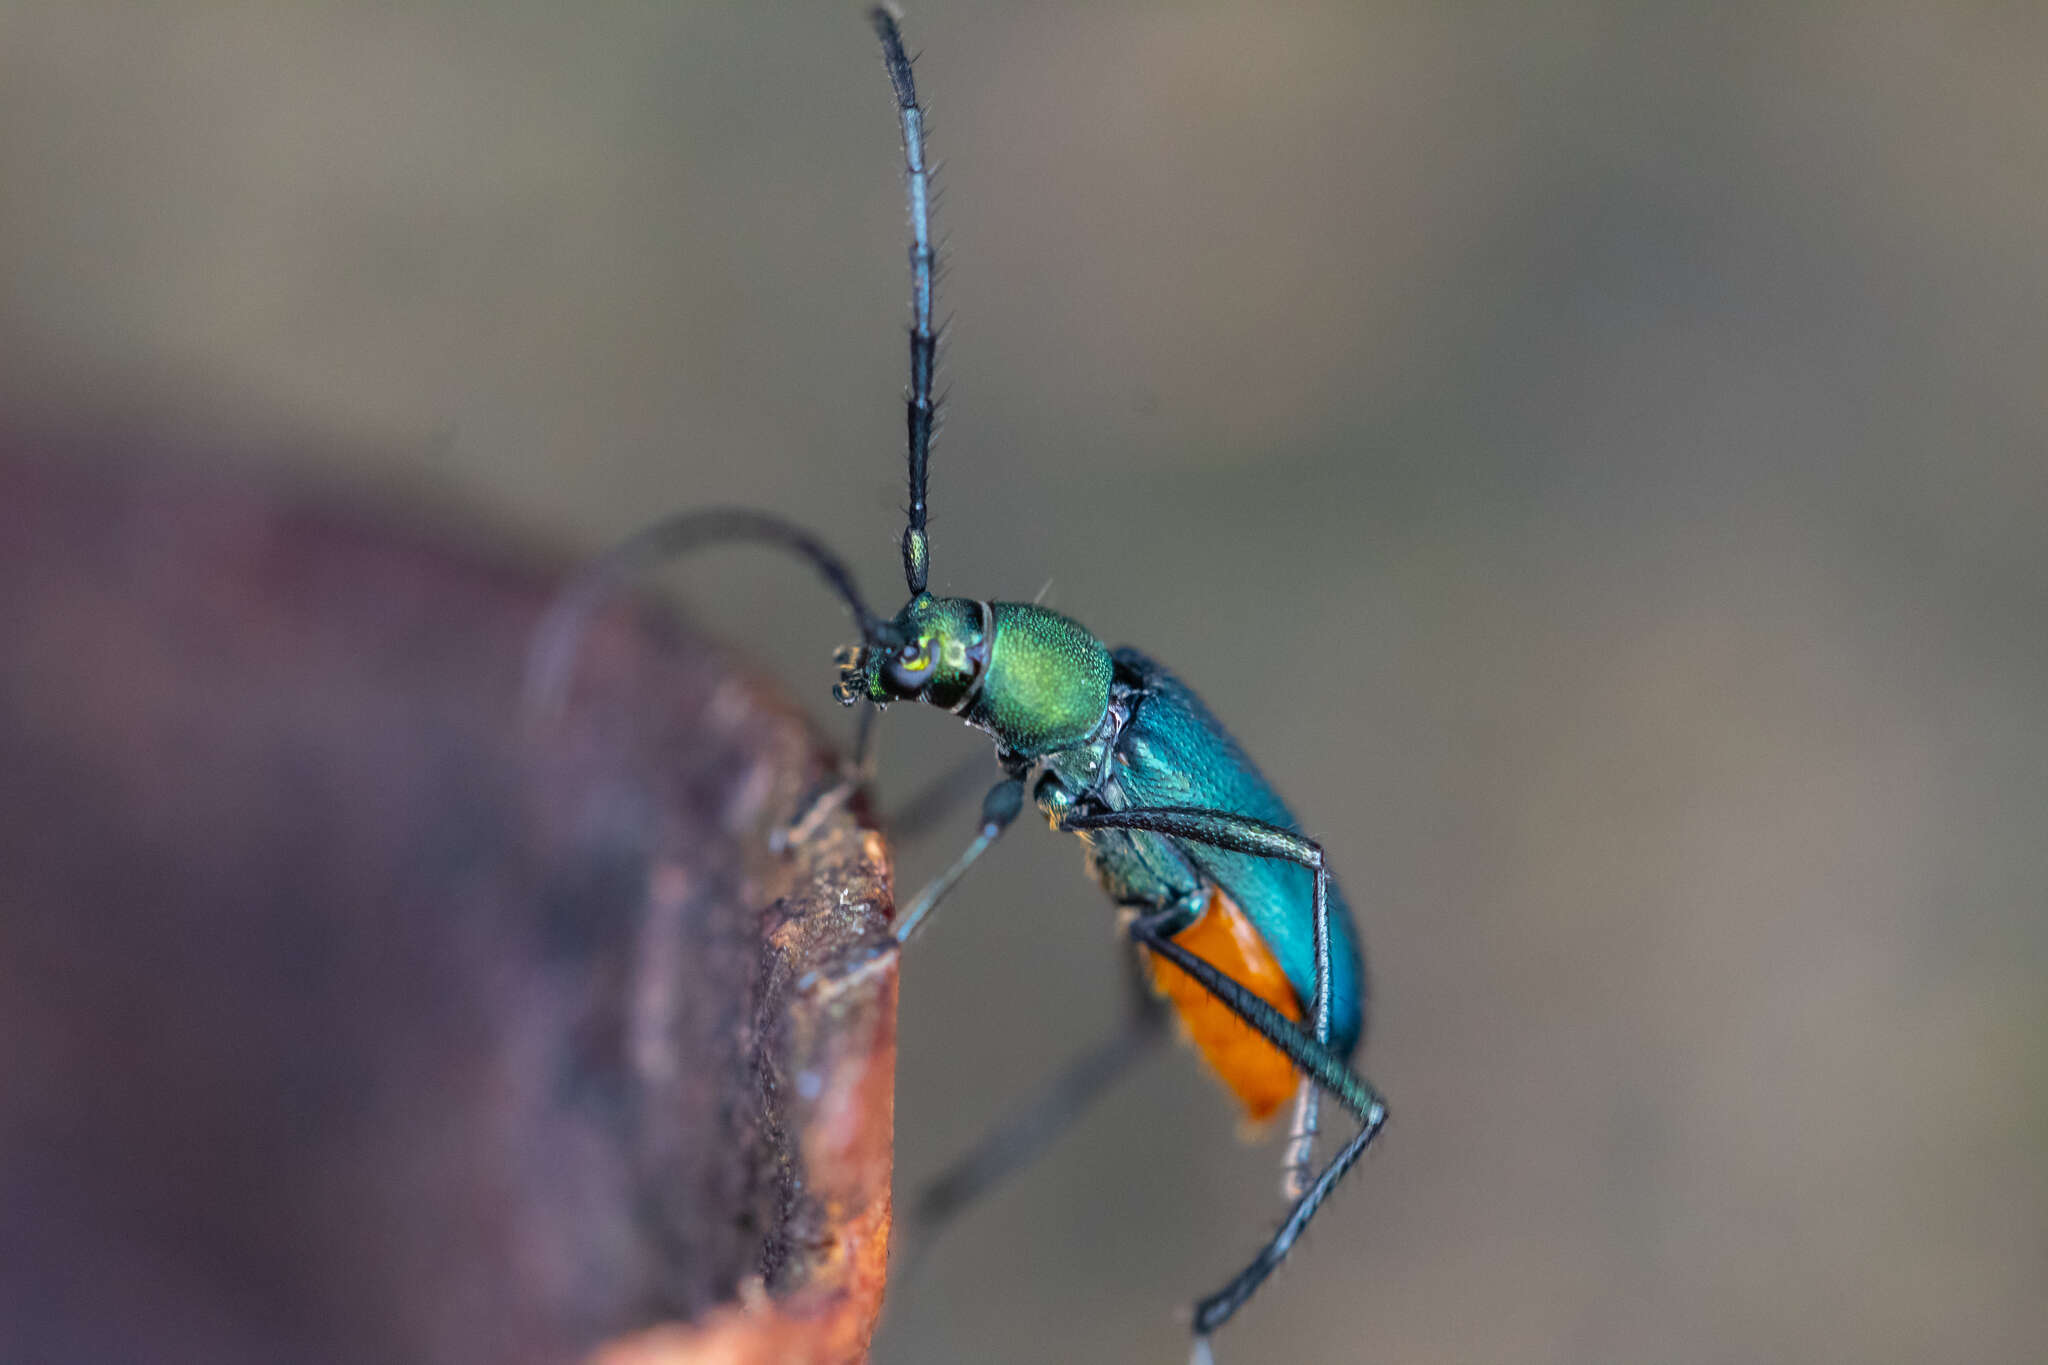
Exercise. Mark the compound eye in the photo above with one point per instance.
(909, 669)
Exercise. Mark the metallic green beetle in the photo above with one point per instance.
(1236, 917)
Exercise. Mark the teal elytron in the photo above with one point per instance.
(1238, 923)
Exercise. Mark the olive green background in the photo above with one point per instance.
(1597, 459)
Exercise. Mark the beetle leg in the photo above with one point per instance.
(1024, 1134)
(1299, 1158)
(851, 777)
(998, 809)
(1310, 1053)
(1215, 1310)
(1316, 1061)
(918, 814)
(1240, 834)
(1311, 1058)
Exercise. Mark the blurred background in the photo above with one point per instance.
(1596, 460)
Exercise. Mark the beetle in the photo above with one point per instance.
(1237, 923)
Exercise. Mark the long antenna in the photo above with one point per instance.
(551, 658)
(919, 409)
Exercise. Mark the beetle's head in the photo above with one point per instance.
(934, 651)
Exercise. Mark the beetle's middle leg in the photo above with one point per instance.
(1023, 1135)
(923, 810)
(998, 809)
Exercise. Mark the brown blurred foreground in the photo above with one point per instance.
(345, 1022)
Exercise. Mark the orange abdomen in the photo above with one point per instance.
(1257, 1072)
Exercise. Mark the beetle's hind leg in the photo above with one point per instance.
(1299, 1158)
(1311, 1053)
(1318, 1064)
(1215, 1310)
